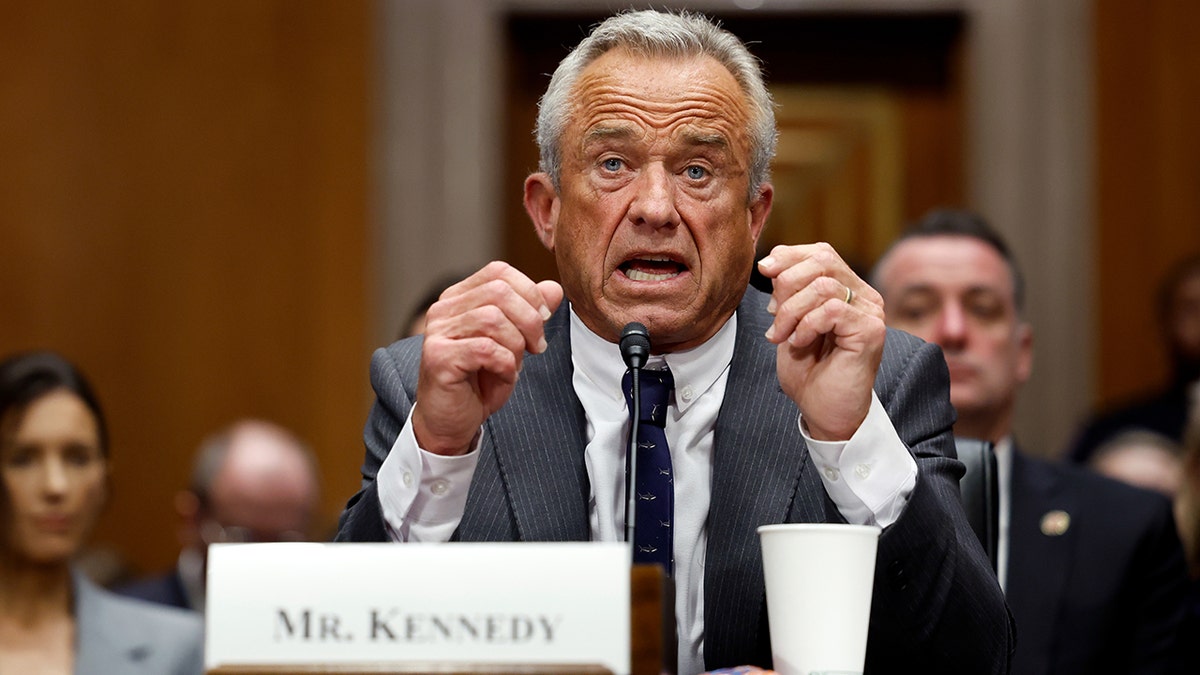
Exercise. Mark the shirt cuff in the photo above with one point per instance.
(869, 477)
(423, 495)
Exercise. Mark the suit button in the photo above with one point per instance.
(898, 575)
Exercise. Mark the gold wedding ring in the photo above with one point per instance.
(849, 295)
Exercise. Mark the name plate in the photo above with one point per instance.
(457, 603)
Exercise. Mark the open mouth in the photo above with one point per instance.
(657, 268)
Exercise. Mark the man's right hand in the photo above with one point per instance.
(476, 336)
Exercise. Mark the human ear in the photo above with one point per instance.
(542, 203)
(760, 208)
(1025, 352)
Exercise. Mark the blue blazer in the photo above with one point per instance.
(120, 635)
(1104, 595)
(165, 589)
(937, 606)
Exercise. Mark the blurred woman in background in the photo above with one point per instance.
(53, 486)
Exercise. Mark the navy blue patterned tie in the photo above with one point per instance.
(653, 540)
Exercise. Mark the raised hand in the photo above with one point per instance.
(476, 336)
(829, 328)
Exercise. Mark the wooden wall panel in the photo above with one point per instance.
(1148, 177)
(183, 205)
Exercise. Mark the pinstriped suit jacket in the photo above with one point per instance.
(937, 607)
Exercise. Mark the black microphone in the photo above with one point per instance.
(635, 350)
(635, 344)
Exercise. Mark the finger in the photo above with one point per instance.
(802, 281)
(450, 362)
(468, 314)
(795, 306)
(821, 255)
(791, 268)
(552, 294)
(848, 327)
(525, 288)
(488, 321)
(502, 271)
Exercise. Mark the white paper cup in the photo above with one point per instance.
(819, 581)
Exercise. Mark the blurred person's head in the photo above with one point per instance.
(1145, 459)
(252, 482)
(415, 323)
(53, 459)
(951, 280)
(1179, 311)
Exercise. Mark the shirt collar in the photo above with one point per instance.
(694, 370)
(1003, 449)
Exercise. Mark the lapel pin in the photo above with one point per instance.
(1055, 523)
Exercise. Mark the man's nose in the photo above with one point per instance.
(951, 327)
(654, 198)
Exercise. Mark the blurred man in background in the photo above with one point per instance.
(252, 482)
(1092, 569)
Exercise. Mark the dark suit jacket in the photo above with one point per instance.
(1106, 595)
(166, 589)
(1164, 412)
(937, 606)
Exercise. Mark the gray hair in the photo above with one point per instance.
(659, 34)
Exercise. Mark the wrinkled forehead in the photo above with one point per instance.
(656, 81)
(693, 98)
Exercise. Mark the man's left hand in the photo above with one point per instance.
(829, 328)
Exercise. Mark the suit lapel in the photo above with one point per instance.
(758, 458)
(537, 441)
(103, 645)
(1040, 557)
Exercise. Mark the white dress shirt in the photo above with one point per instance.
(1004, 460)
(869, 477)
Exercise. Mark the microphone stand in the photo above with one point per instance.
(661, 653)
(635, 350)
(631, 458)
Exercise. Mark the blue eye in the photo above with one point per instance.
(612, 164)
(696, 172)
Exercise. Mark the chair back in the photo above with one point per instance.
(980, 487)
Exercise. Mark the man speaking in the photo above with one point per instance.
(508, 421)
